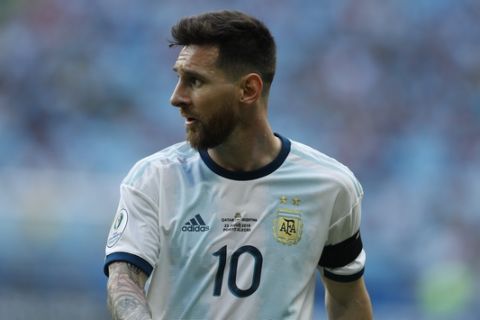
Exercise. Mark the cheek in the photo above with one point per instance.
(210, 102)
(202, 100)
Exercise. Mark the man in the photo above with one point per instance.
(234, 223)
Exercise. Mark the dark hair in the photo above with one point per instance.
(245, 44)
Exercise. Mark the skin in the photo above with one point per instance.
(126, 296)
(347, 300)
(221, 114)
(204, 92)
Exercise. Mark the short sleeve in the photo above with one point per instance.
(134, 236)
(343, 257)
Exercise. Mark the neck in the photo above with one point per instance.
(247, 150)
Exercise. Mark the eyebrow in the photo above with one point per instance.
(189, 73)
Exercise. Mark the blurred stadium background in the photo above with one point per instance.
(391, 88)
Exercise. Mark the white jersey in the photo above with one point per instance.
(237, 245)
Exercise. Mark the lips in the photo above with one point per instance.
(188, 118)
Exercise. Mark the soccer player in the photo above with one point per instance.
(234, 222)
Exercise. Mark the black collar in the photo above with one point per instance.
(249, 175)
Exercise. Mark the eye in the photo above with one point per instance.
(195, 82)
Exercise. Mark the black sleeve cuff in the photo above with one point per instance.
(343, 278)
(342, 253)
(138, 262)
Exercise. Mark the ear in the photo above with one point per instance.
(251, 88)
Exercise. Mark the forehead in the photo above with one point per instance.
(197, 58)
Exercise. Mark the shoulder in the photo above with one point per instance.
(155, 165)
(328, 169)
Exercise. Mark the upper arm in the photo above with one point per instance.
(126, 295)
(124, 273)
(345, 291)
(347, 300)
(343, 257)
(134, 234)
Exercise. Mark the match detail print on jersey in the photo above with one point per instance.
(238, 223)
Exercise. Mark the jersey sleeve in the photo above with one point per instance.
(134, 235)
(343, 257)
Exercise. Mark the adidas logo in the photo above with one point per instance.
(196, 224)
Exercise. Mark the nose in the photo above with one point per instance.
(179, 96)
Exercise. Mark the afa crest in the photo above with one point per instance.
(288, 226)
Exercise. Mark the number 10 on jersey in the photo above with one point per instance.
(232, 273)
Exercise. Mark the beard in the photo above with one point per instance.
(211, 132)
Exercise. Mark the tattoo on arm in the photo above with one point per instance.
(126, 296)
